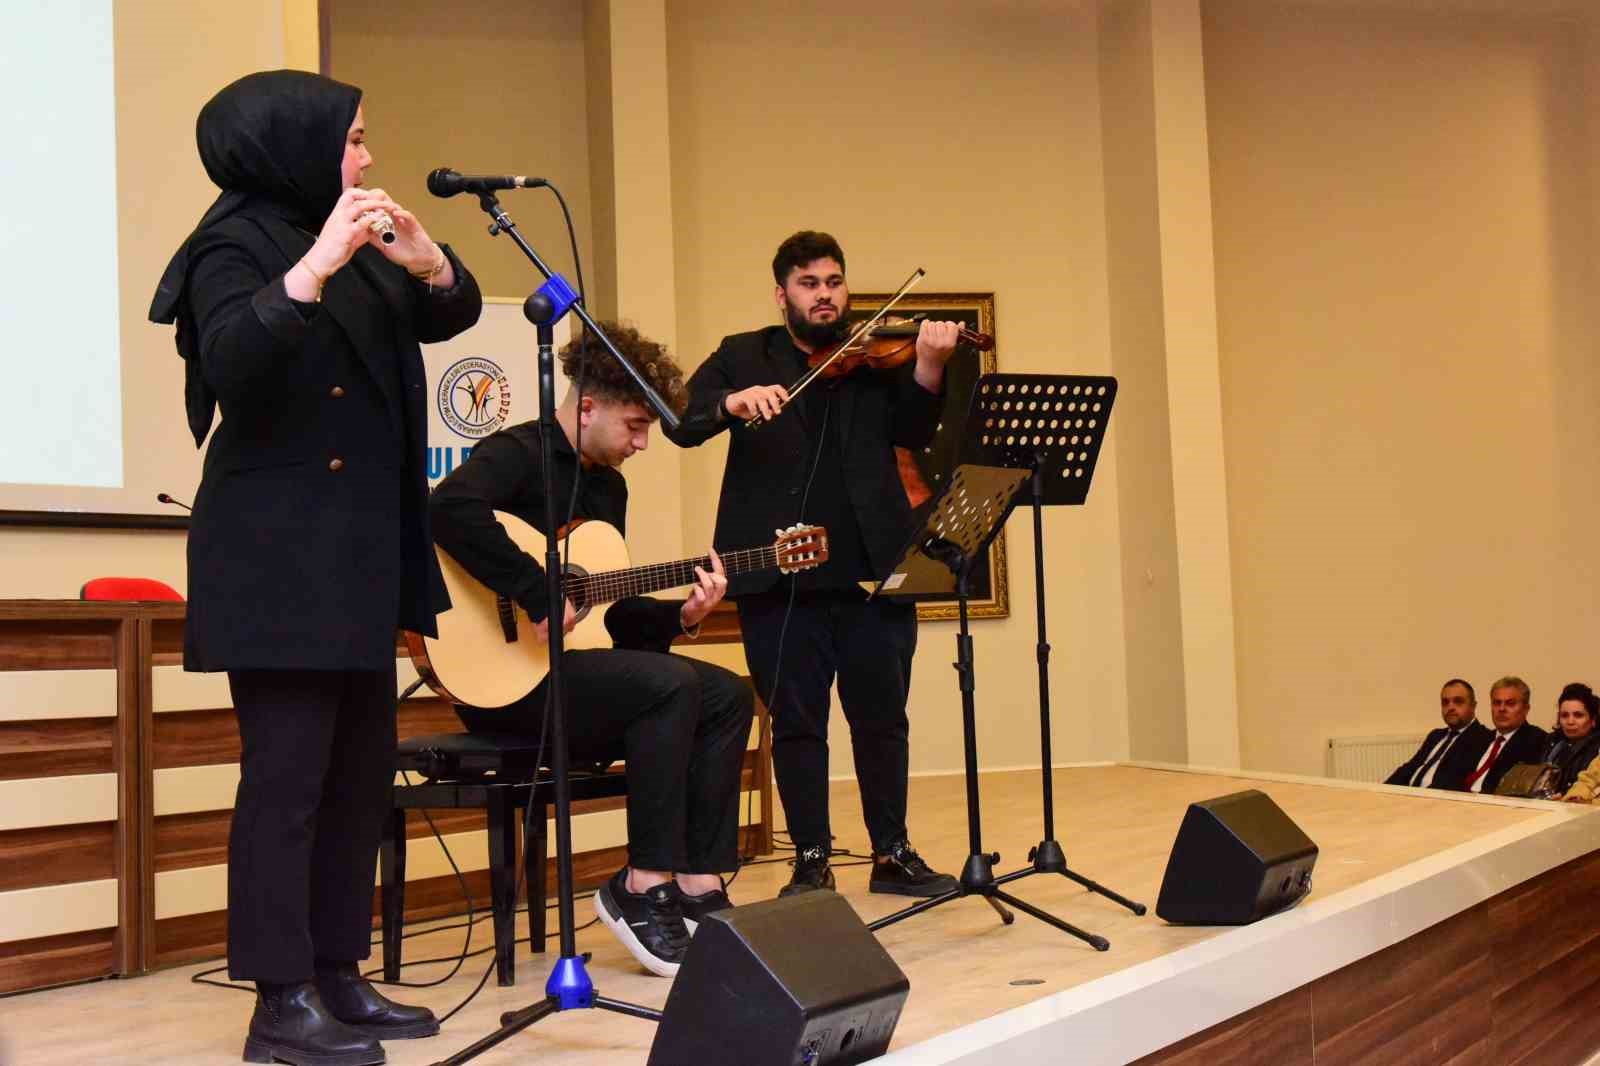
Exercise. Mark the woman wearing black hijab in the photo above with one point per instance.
(309, 542)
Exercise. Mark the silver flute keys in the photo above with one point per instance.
(382, 224)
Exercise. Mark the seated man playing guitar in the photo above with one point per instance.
(682, 725)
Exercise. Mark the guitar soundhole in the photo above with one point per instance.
(575, 590)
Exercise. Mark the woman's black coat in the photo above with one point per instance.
(309, 542)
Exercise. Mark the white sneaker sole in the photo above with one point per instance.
(618, 924)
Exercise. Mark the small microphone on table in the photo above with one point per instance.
(162, 497)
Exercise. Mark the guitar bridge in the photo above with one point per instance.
(508, 617)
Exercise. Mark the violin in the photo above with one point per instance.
(877, 343)
(889, 344)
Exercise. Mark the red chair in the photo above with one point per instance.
(129, 588)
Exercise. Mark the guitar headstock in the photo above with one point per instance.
(801, 548)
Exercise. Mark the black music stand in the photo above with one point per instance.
(967, 515)
(1052, 426)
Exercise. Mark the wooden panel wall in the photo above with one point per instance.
(69, 757)
(1511, 981)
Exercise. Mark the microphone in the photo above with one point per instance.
(447, 182)
(162, 497)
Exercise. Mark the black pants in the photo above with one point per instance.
(682, 725)
(315, 787)
(867, 646)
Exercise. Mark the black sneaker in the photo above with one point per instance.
(811, 872)
(649, 923)
(695, 908)
(900, 871)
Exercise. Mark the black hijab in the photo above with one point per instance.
(274, 143)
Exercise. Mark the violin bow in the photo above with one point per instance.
(866, 327)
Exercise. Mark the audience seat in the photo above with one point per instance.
(128, 589)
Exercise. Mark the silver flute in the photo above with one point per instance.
(381, 223)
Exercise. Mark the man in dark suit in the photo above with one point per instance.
(1513, 740)
(1449, 753)
(827, 458)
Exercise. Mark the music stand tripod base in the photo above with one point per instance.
(969, 513)
(1052, 426)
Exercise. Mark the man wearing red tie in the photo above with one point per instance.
(1514, 740)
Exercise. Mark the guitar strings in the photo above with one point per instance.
(608, 585)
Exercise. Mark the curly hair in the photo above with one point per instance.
(604, 378)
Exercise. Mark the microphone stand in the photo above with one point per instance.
(569, 986)
(565, 299)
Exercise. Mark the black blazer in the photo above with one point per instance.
(1527, 744)
(1462, 757)
(1573, 759)
(766, 469)
(309, 541)
(1406, 770)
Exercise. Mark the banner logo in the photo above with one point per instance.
(474, 397)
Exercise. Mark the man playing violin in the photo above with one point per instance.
(827, 457)
(681, 724)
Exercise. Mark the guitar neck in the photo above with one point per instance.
(608, 585)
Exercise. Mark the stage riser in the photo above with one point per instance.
(199, 937)
(1510, 981)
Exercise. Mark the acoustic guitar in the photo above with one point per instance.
(488, 653)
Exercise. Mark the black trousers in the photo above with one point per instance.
(867, 646)
(315, 787)
(681, 724)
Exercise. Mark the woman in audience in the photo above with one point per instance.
(1575, 741)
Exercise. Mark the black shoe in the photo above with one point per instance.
(354, 1001)
(292, 1024)
(811, 872)
(649, 923)
(900, 871)
(695, 908)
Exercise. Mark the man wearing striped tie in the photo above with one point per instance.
(1449, 754)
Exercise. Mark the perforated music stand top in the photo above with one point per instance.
(965, 517)
(1056, 420)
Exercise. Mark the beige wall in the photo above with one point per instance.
(483, 88)
(1404, 217)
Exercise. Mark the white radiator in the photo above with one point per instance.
(1368, 758)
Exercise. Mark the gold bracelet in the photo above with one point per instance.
(433, 271)
(321, 281)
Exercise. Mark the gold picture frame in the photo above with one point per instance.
(991, 594)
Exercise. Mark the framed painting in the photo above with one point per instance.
(923, 472)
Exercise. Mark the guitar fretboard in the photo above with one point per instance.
(608, 585)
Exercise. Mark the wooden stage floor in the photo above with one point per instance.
(1116, 822)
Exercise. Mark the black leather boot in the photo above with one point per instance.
(292, 1024)
(354, 1001)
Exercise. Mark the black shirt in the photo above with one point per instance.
(504, 474)
(825, 501)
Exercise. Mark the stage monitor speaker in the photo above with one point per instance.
(1237, 858)
(797, 981)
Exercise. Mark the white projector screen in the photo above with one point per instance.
(58, 210)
